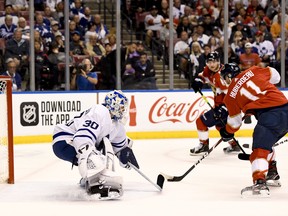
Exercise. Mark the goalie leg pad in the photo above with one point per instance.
(90, 161)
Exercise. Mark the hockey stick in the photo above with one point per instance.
(179, 178)
(160, 178)
(276, 144)
(222, 122)
(242, 156)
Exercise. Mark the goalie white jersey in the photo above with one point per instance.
(90, 127)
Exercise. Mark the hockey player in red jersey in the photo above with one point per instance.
(211, 76)
(253, 92)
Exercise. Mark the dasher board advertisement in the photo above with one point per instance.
(165, 111)
(151, 114)
(37, 114)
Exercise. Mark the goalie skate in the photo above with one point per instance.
(259, 189)
(106, 185)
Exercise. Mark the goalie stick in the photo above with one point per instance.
(179, 178)
(242, 156)
(160, 178)
(223, 123)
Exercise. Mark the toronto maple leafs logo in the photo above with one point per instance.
(29, 113)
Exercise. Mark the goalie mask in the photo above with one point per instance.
(230, 70)
(117, 104)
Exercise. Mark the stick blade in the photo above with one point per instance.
(243, 156)
(160, 181)
(172, 178)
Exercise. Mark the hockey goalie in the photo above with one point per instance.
(92, 139)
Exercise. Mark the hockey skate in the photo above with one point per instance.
(202, 148)
(272, 177)
(232, 148)
(259, 189)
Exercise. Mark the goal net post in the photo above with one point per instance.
(6, 131)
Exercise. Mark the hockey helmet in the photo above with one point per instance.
(231, 70)
(117, 104)
(213, 56)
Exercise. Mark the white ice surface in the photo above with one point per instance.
(45, 185)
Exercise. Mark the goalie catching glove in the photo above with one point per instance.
(126, 155)
(226, 136)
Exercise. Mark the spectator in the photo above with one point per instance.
(17, 48)
(9, 11)
(273, 9)
(265, 48)
(18, 5)
(266, 33)
(196, 52)
(52, 4)
(178, 11)
(42, 27)
(184, 25)
(60, 12)
(111, 39)
(202, 58)
(153, 23)
(232, 57)
(275, 29)
(41, 65)
(74, 24)
(91, 30)
(54, 30)
(145, 72)
(49, 16)
(83, 78)
(39, 5)
(22, 24)
(237, 42)
(7, 29)
(85, 18)
(76, 8)
(182, 52)
(246, 32)
(101, 28)
(59, 39)
(249, 59)
(202, 38)
(54, 58)
(164, 10)
(94, 47)
(77, 46)
(12, 72)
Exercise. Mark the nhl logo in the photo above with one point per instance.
(29, 114)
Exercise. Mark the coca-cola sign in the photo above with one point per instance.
(164, 110)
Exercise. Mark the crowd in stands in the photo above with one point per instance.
(92, 48)
(254, 31)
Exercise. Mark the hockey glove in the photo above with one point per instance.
(226, 136)
(126, 155)
(220, 112)
(197, 84)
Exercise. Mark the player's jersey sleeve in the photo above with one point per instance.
(217, 85)
(251, 90)
(118, 136)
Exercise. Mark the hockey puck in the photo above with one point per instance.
(160, 180)
(246, 145)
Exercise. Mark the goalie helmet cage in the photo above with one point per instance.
(6, 131)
